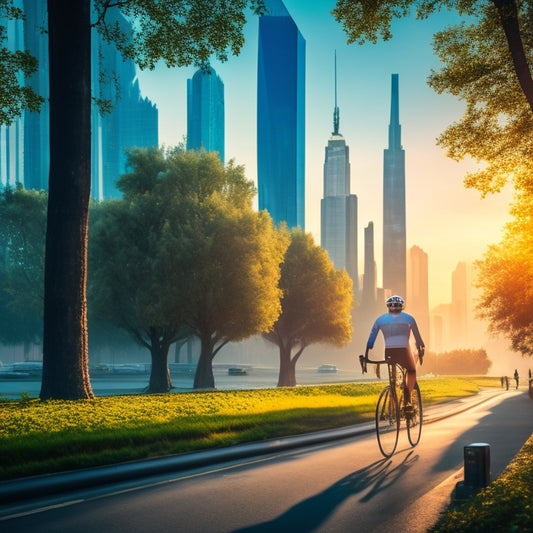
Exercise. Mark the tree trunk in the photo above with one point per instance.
(287, 368)
(204, 378)
(159, 376)
(65, 347)
(508, 12)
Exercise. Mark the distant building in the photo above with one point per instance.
(394, 234)
(339, 207)
(12, 136)
(370, 272)
(281, 116)
(133, 121)
(205, 112)
(417, 296)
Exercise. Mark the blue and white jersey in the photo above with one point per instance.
(396, 329)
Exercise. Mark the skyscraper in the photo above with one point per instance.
(205, 112)
(12, 136)
(369, 274)
(394, 239)
(417, 297)
(281, 116)
(133, 120)
(339, 207)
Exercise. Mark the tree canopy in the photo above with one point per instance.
(316, 304)
(184, 253)
(504, 277)
(485, 63)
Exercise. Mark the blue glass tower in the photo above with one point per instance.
(394, 238)
(205, 112)
(281, 116)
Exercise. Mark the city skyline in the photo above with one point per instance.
(438, 205)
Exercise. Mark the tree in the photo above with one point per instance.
(22, 235)
(486, 65)
(504, 277)
(457, 363)
(184, 253)
(234, 290)
(316, 304)
(180, 32)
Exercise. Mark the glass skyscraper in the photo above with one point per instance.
(133, 121)
(281, 116)
(394, 238)
(205, 112)
(339, 207)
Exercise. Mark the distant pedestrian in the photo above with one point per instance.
(506, 383)
(502, 379)
(516, 377)
(530, 378)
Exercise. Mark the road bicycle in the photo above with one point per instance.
(391, 409)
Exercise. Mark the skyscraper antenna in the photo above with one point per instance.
(336, 110)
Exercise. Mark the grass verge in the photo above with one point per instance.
(506, 505)
(45, 437)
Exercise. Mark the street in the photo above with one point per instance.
(332, 487)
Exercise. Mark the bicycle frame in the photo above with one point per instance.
(390, 408)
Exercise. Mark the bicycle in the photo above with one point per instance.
(390, 409)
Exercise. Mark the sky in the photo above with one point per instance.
(450, 223)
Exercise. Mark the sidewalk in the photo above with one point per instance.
(61, 483)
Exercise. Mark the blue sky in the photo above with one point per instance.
(450, 223)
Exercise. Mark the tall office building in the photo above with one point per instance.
(417, 297)
(133, 121)
(12, 136)
(37, 125)
(370, 272)
(205, 112)
(339, 207)
(281, 116)
(394, 239)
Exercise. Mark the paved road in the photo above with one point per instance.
(327, 487)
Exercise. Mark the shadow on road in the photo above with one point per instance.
(511, 416)
(308, 514)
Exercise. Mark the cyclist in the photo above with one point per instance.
(396, 327)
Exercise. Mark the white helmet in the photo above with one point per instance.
(395, 304)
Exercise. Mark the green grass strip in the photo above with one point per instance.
(45, 437)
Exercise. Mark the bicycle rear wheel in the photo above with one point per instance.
(387, 422)
(414, 421)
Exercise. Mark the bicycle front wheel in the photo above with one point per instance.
(387, 422)
(414, 421)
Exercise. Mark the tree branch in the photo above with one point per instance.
(508, 13)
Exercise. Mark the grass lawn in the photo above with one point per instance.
(44, 437)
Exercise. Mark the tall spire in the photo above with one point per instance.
(336, 110)
(395, 130)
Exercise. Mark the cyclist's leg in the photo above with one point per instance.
(405, 358)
